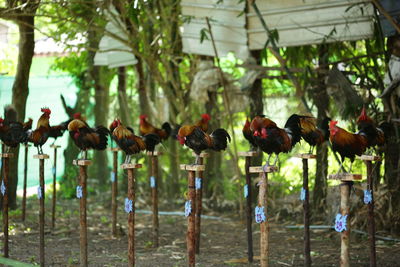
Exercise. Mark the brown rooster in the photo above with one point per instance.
(348, 145)
(40, 135)
(203, 123)
(146, 128)
(248, 135)
(86, 138)
(311, 134)
(196, 139)
(130, 143)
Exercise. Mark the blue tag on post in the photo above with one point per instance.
(260, 215)
(152, 182)
(3, 188)
(303, 194)
(79, 191)
(188, 208)
(112, 177)
(39, 192)
(198, 183)
(128, 205)
(341, 223)
(53, 170)
(367, 196)
(246, 190)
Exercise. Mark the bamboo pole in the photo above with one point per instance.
(262, 203)
(54, 200)
(371, 217)
(154, 195)
(41, 196)
(83, 244)
(345, 235)
(131, 212)
(5, 157)
(190, 212)
(25, 181)
(114, 192)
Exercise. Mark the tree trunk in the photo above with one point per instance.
(20, 91)
(321, 100)
(124, 109)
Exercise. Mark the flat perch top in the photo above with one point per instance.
(189, 167)
(155, 153)
(41, 156)
(345, 177)
(114, 149)
(81, 162)
(202, 154)
(247, 153)
(305, 156)
(55, 146)
(7, 155)
(131, 166)
(260, 169)
(370, 158)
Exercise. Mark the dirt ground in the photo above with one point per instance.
(223, 241)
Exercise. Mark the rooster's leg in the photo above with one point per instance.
(85, 154)
(128, 159)
(276, 159)
(38, 150)
(351, 165)
(311, 150)
(197, 162)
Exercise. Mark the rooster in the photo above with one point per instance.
(40, 135)
(311, 134)
(86, 138)
(130, 143)
(12, 134)
(272, 139)
(376, 136)
(203, 123)
(146, 128)
(196, 139)
(248, 135)
(348, 145)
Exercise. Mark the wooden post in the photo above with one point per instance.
(347, 181)
(306, 208)
(41, 196)
(54, 200)
(191, 199)
(131, 213)
(25, 181)
(154, 194)
(249, 209)
(5, 157)
(114, 191)
(262, 203)
(371, 215)
(199, 201)
(83, 164)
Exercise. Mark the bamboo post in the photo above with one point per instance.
(41, 196)
(130, 209)
(371, 215)
(25, 181)
(306, 208)
(248, 195)
(199, 200)
(83, 164)
(190, 212)
(5, 157)
(261, 216)
(54, 200)
(114, 191)
(347, 180)
(154, 194)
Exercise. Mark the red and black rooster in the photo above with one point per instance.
(40, 135)
(146, 128)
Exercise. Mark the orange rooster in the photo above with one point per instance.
(272, 139)
(40, 135)
(348, 145)
(248, 135)
(146, 128)
(86, 138)
(311, 134)
(130, 143)
(376, 136)
(196, 139)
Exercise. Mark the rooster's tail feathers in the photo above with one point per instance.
(220, 139)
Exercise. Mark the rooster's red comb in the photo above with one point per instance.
(143, 116)
(77, 115)
(206, 117)
(46, 110)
